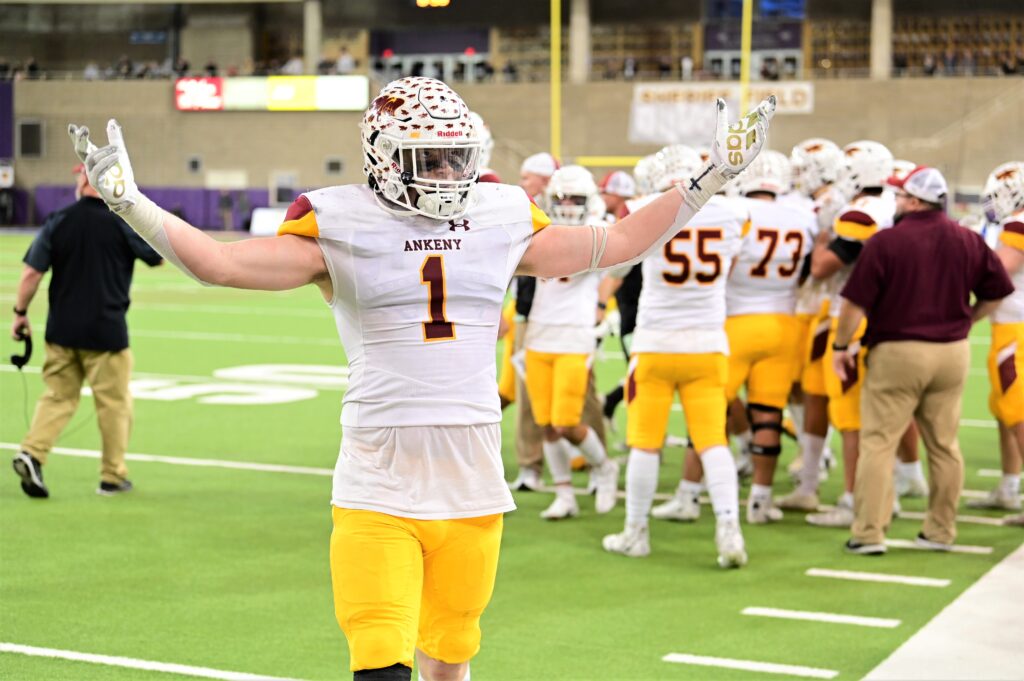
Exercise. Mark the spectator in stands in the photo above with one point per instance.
(294, 66)
(211, 68)
(124, 68)
(949, 62)
(629, 68)
(686, 68)
(510, 72)
(91, 71)
(899, 63)
(181, 67)
(1007, 65)
(967, 62)
(32, 70)
(929, 66)
(5, 69)
(913, 283)
(346, 63)
(92, 253)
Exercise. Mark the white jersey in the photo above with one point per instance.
(858, 221)
(814, 292)
(682, 303)
(796, 199)
(1011, 310)
(764, 280)
(417, 303)
(563, 315)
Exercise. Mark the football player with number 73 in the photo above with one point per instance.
(414, 265)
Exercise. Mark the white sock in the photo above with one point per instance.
(1011, 485)
(743, 440)
(641, 483)
(761, 493)
(811, 447)
(846, 500)
(592, 449)
(720, 477)
(796, 412)
(690, 488)
(556, 454)
(827, 452)
(909, 471)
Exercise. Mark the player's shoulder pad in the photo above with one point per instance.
(860, 219)
(1012, 233)
(501, 204)
(325, 213)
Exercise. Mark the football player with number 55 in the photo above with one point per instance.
(414, 265)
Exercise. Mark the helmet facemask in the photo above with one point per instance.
(569, 209)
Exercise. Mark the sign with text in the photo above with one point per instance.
(684, 113)
(273, 93)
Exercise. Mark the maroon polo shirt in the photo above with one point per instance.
(915, 280)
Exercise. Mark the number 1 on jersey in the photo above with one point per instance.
(432, 276)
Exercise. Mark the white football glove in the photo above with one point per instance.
(736, 145)
(108, 168)
(733, 148)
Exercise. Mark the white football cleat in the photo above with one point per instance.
(606, 478)
(997, 499)
(683, 506)
(561, 508)
(633, 541)
(841, 515)
(528, 480)
(761, 512)
(911, 487)
(732, 552)
(799, 501)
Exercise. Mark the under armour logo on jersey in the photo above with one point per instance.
(456, 226)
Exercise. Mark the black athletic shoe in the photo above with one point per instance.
(109, 489)
(30, 471)
(853, 546)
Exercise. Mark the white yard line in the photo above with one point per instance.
(977, 636)
(978, 423)
(829, 617)
(132, 663)
(969, 519)
(877, 577)
(236, 338)
(181, 461)
(956, 548)
(751, 666)
(989, 473)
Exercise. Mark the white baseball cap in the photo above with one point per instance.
(924, 183)
(543, 164)
(619, 183)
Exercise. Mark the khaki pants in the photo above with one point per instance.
(911, 379)
(107, 373)
(530, 436)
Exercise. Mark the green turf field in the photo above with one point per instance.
(226, 568)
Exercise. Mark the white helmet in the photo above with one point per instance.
(866, 164)
(678, 162)
(486, 139)
(902, 168)
(769, 172)
(644, 171)
(421, 149)
(1004, 191)
(814, 163)
(570, 194)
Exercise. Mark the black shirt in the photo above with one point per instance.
(92, 252)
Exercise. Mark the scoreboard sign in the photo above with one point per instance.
(273, 93)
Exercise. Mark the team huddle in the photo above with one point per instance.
(739, 283)
(737, 314)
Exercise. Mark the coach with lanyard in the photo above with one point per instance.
(914, 283)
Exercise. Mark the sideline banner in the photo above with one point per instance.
(684, 113)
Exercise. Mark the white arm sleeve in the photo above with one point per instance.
(147, 219)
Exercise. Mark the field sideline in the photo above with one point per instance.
(223, 567)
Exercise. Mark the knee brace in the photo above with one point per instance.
(764, 450)
(396, 672)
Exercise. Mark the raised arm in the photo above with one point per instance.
(558, 251)
(273, 264)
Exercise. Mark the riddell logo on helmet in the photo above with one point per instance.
(449, 133)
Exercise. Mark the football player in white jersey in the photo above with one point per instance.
(867, 166)
(560, 344)
(815, 165)
(761, 324)
(414, 266)
(1004, 203)
(680, 346)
